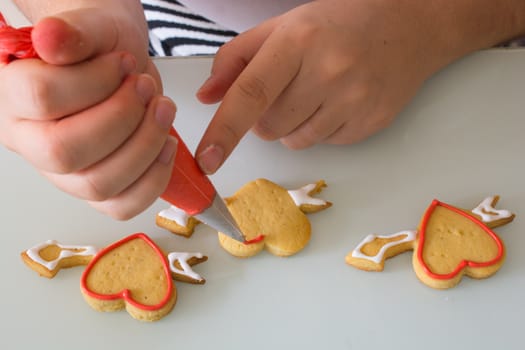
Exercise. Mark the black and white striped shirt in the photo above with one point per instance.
(175, 31)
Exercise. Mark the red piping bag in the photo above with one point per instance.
(191, 190)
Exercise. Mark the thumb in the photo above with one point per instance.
(74, 36)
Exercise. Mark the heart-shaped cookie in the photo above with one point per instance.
(132, 273)
(453, 243)
(449, 243)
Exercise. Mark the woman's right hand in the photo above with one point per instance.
(89, 114)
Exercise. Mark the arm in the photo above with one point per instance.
(466, 26)
(90, 115)
(337, 71)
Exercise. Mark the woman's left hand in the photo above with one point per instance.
(330, 71)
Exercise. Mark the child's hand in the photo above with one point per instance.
(90, 115)
(329, 71)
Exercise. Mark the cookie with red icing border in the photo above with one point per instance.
(448, 244)
(133, 273)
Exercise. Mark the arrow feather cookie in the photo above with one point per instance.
(449, 243)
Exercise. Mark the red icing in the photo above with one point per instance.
(15, 43)
(189, 188)
(255, 240)
(125, 294)
(464, 263)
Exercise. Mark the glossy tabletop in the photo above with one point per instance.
(460, 140)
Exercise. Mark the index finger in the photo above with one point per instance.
(272, 68)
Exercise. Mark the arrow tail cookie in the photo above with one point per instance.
(371, 253)
(49, 257)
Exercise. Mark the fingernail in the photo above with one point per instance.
(128, 64)
(145, 88)
(168, 150)
(165, 112)
(211, 159)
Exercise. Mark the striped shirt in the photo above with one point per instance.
(175, 31)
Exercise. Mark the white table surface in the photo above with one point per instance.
(460, 140)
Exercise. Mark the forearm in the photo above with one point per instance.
(484, 23)
(464, 26)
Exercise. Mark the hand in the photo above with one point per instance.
(90, 115)
(331, 71)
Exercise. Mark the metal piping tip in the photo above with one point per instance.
(219, 217)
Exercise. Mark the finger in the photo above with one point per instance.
(35, 89)
(343, 118)
(230, 61)
(73, 36)
(269, 72)
(359, 129)
(80, 140)
(296, 104)
(124, 166)
(317, 128)
(143, 192)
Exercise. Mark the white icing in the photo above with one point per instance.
(183, 258)
(301, 196)
(357, 253)
(488, 213)
(67, 251)
(175, 214)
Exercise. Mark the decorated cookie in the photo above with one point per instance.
(449, 243)
(133, 273)
(176, 221)
(180, 264)
(49, 257)
(269, 216)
